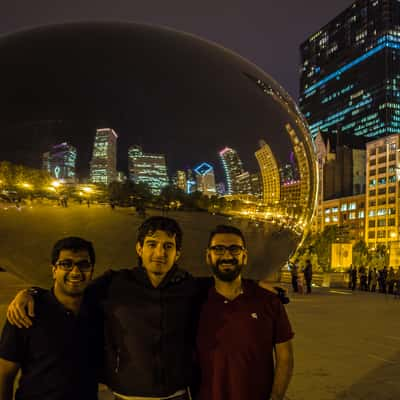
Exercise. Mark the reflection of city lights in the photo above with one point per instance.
(26, 185)
(55, 184)
(87, 189)
(51, 189)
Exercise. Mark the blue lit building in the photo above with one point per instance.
(148, 168)
(205, 179)
(350, 72)
(233, 167)
(60, 162)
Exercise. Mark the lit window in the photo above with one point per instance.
(352, 206)
(343, 207)
(327, 219)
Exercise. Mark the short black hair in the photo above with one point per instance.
(75, 244)
(226, 229)
(159, 223)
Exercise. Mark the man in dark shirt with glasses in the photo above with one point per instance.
(59, 354)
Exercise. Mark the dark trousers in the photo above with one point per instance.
(295, 284)
(308, 284)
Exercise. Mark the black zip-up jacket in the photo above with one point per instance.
(149, 332)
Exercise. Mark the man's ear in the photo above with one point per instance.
(245, 257)
(53, 270)
(178, 254)
(139, 249)
(208, 257)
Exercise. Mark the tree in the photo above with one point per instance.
(361, 255)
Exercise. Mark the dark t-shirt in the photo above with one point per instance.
(59, 354)
(235, 343)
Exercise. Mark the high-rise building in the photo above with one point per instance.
(148, 168)
(233, 166)
(350, 76)
(60, 162)
(103, 166)
(191, 185)
(269, 174)
(205, 179)
(382, 195)
(179, 180)
(243, 183)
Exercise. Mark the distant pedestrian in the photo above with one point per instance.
(350, 273)
(354, 278)
(374, 280)
(294, 271)
(369, 279)
(390, 280)
(362, 273)
(88, 203)
(307, 272)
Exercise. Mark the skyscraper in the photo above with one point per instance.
(148, 168)
(103, 166)
(60, 162)
(350, 76)
(269, 174)
(205, 179)
(233, 167)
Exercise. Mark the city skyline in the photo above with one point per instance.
(47, 133)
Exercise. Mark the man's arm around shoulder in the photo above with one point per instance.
(283, 369)
(8, 372)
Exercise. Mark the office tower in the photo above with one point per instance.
(191, 185)
(350, 79)
(256, 185)
(243, 183)
(341, 160)
(382, 194)
(302, 167)
(220, 188)
(103, 166)
(233, 167)
(205, 179)
(179, 180)
(269, 174)
(60, 162)
(148, 168)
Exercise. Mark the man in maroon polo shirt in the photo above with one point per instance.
(241, 326)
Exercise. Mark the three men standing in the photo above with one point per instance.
(151, 313)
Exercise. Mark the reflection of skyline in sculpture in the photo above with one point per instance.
(147, 168)
(269, 174)
(60, 162)
(205, 179)
(103, 166)
(233, 167)
(303, 167)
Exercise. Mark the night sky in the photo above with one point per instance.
(267, 33)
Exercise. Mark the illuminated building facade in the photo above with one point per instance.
(233, 167)
(350, 79)
(180, 180)
(103, 166)
(302, 167)
(60, 162)
(348, 213)
(205, 179)
(269, 174)
(382, 195)
(148, 168)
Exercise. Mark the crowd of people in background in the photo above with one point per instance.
(301, 276)
(384, 280)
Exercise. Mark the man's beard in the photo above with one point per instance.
(228, 275)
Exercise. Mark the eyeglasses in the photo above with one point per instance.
(68, 265)
(220, 250)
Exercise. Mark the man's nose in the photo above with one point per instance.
(76, 270)
(160, 250)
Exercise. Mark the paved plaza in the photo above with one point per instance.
(347, 345)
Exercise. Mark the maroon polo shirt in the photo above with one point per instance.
(235, 343)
